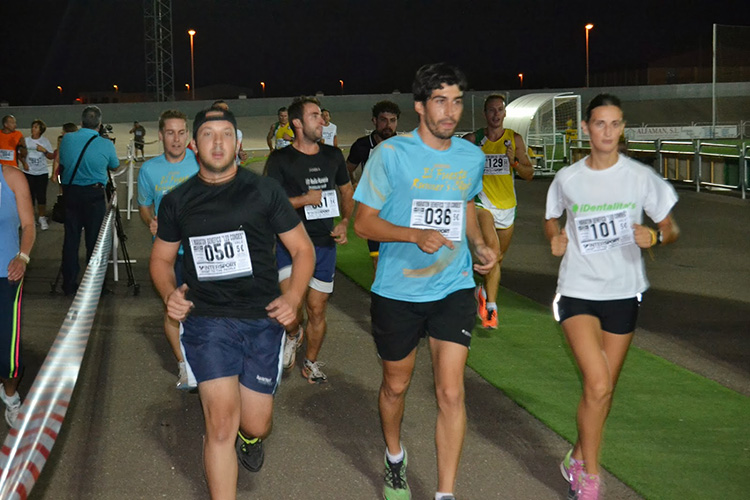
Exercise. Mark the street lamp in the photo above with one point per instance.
(263, 87)
(117, 89)
(192, 63)
(59, 89)
(187, 87)
(520, 76)
(588, 28)
(342, 86)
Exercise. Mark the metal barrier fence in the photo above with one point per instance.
(29, 442)
(683, 161)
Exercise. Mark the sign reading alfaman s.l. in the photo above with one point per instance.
(687, 132)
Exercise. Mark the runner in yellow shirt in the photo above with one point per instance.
(505, 154)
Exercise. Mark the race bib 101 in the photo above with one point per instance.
(221, 256)
(447, 217)
(604, 231)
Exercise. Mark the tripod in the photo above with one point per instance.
(122, 238)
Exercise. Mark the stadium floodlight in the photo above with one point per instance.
(588, 27)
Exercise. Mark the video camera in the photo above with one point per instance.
(105, 130)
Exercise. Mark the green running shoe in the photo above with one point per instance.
(396, 487)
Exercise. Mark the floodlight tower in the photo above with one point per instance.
(157, 16)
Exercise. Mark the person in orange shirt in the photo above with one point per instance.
(12, 145)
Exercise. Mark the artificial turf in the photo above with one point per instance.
(671, 434)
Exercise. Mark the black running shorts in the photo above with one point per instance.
(615, 316)
(397, 325)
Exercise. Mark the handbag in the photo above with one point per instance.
(58, 210)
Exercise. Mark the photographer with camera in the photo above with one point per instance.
(85, 157)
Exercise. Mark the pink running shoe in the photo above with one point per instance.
(571, 469)
(588, 486)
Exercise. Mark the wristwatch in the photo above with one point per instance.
(659, 237)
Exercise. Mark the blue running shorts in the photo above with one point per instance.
(224, 347)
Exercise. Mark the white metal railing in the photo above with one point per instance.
(696, 152)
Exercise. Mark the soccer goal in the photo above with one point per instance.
(549, 123)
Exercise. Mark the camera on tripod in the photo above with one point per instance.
(105, 130)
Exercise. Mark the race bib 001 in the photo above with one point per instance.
(604, 231)
(221, 256)
(447, 217)
(328, 208)
(496, 165)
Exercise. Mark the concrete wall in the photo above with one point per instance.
(655, 104)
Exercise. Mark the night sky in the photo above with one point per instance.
(302, 46)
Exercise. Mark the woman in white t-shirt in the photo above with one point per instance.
(602, 274)
(39, 151)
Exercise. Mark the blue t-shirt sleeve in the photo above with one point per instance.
(145, 188)
(112, 160)
(374, 186)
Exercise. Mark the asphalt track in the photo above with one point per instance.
(130, 435)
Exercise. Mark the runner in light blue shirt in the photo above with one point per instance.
(403, 173)
(417, 197)
(157, 177)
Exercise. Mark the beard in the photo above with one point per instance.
(441, 133)
(385, 133)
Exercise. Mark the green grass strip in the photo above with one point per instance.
(671, 434)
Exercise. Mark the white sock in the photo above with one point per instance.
(441, 494)
(492, 306)
(394, 459)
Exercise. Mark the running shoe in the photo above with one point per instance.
(43, 223)
(588, 486)
(481, 297)
(571, 469)
(490, 320)
(250, 455)
(12, 406)
(312, 372)
(396, 487)
(291, 345)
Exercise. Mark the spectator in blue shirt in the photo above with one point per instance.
(84, 190)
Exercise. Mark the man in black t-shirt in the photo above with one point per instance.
(310, 173)
(231, 308)
(385, 116)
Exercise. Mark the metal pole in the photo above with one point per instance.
(192, 65)
(713, 88)
(587, 58)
